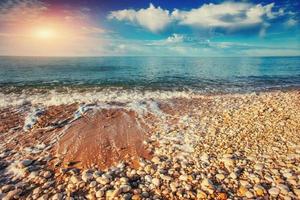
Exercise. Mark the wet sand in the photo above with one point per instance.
(237, 146)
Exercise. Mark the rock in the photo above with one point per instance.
(86, 177)
(156, 182)
(206, 183)
(48, 184)
(297, 192)
(36, 191)
(287, 175)
(220, 176)
(258, 167)
(242, 191)
(91, 196)
(93, 184)
(249, 194)
(259, 190)
(201, 194)
(47, 174)
(222, 196)
(145, 194)
(7, 188)
(245, 183)
(274, 191)
(204, 158)
(126, 196)
(13, 194)
(136, 197)
(57, 196)
(124, 180)
(25, 163)
(155, 160)
(228, 162)
(148, 178)
(111, 194)
(183, 177)
(100, 193)
(96, 174)
(103, 180)
(283, 189)
(74, 179)
(125, 188)
(233, 175)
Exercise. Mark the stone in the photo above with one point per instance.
(103, 180)
(183, 177)
(207, 183)
(57, 196)
(259, 190)
(222, 196)
(156, 182)
(74, 179)
(36, 190)
(148, 178)
(13, 194)
(201, 194)
(136, 197)
(155, 160)
(242, 191)
(274, 191)
(249, 194)
(283, 189)
(228, 162)
(86, 177)
(93, 184)
(125, 188)
(297, 192)
(204, 158)
(47, 174)
(258, 167)
(100, 193)
(233, 175)
(220, 176)
(7, 188)
(25, 163)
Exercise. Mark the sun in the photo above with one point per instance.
(44, 33)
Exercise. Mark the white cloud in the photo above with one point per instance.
(16, 10)
(175, 38)
(225, 15)
(228, 15)
(153, 18)
(291, 22)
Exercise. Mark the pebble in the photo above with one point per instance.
(100, 193)
(156, 182)
(220, 176)
(274, 191)
(57, 196)
(25, 163)
(102, 180)
(47, 174)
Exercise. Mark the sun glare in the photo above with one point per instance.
(45, 33)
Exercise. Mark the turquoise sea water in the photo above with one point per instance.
(165, 73)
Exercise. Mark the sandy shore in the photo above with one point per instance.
(233, 146)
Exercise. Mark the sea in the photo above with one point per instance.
(111, 77)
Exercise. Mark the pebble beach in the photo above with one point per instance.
(219, 146)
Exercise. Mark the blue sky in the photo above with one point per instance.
(155, 28)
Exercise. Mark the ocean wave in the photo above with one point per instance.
(54, 97)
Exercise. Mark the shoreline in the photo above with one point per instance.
(183, 146)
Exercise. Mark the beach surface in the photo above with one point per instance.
(166, 145)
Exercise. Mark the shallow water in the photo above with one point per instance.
(151, 73)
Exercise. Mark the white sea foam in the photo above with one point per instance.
(88, 97)
(32, 117)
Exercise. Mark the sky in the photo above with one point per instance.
(149, 28)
